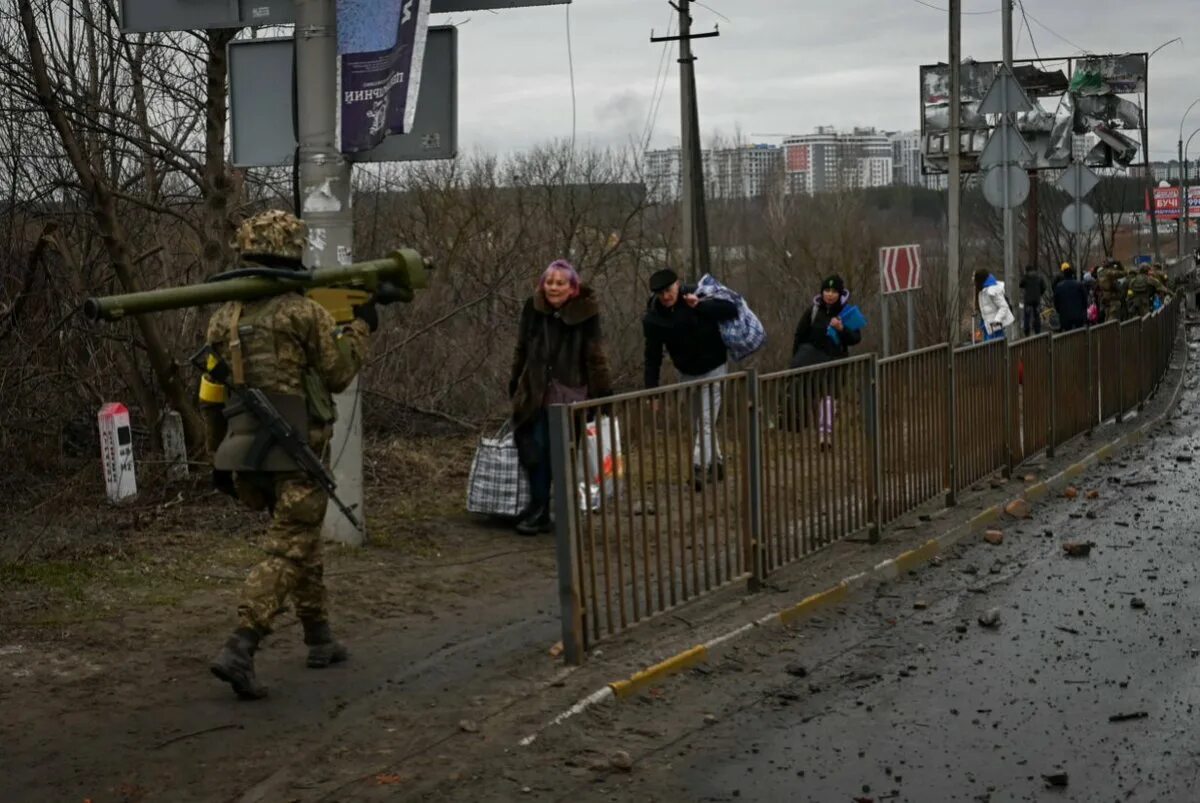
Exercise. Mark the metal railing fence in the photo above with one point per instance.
(817, 459)
(666, 495)
(914, 405)
(1071, 386)
(1031, 399)
(981, 379)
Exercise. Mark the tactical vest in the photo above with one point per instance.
(246, 445)
(1140, 286)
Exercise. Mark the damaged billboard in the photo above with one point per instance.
(1093, 100)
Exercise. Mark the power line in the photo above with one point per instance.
(713, 10)
(571, 66)
(1025, 17)
(964, 13)
(1054, 33)
(660, 86)
(660, 77)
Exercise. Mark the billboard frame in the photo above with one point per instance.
(970, 158)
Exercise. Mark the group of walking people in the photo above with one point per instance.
(1107, 292)
(560, 357)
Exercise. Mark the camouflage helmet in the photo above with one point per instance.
(272, 233)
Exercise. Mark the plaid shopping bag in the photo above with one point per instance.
(497, 485)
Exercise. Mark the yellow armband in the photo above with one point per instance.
(211, 392)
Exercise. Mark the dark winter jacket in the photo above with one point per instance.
(1071, 303)
(1034, 286)
(565, 345)
(812, 332)
(691, 335)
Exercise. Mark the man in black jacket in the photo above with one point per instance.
(1070, 302)
(1033, 287)
(688, 327)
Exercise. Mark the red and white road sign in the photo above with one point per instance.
(900, 268)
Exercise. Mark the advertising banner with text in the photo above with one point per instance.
(382, 47)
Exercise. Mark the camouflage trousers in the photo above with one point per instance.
(293, 566)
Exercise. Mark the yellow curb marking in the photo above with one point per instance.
(1036, 491)
(677, 663)
(918, 556)
(806, 605)
(986, 517)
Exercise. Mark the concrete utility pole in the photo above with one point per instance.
(325, 207)
(1010, 267)
(695, 221)
(953, 255)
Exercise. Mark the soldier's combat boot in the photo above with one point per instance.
(323, 649)
(235, 664)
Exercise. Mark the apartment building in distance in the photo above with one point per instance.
(729, 173)
(906, 162)
(829, 160)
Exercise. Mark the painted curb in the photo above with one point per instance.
(888, 570)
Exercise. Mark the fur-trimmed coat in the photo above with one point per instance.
(565, 345)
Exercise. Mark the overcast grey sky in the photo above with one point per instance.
(781, 66)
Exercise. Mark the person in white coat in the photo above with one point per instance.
(993, 305)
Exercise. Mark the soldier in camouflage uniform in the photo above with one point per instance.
(1110, 289)
(1142, 288)
(290, 347)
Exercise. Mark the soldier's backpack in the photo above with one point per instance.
(1140, 285)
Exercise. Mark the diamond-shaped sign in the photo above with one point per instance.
(1005, 96)
(1077, 181)
(994, 151)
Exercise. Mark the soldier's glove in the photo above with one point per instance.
(368, 313)
(389, 293)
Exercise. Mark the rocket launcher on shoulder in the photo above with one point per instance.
(338, 289)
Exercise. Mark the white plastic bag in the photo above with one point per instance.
(601, 462)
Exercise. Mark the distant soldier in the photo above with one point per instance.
(290, 348)
(1159, 273)
(1110, 290)
(1141, 291)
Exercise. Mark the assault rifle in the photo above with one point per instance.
(275, 429)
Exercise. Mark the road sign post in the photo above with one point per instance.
(899, 272)
(1006, 185)
(1078, 218)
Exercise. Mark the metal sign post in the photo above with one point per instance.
(899, 272)
(1006, 184)
(1078, 218)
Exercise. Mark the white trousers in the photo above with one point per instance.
(706, 406)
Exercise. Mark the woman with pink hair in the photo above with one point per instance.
(559, 358)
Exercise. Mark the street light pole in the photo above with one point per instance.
(1184, 207)
(1183, 210)
(1146, 145)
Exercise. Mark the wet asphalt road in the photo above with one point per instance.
(902, 695)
